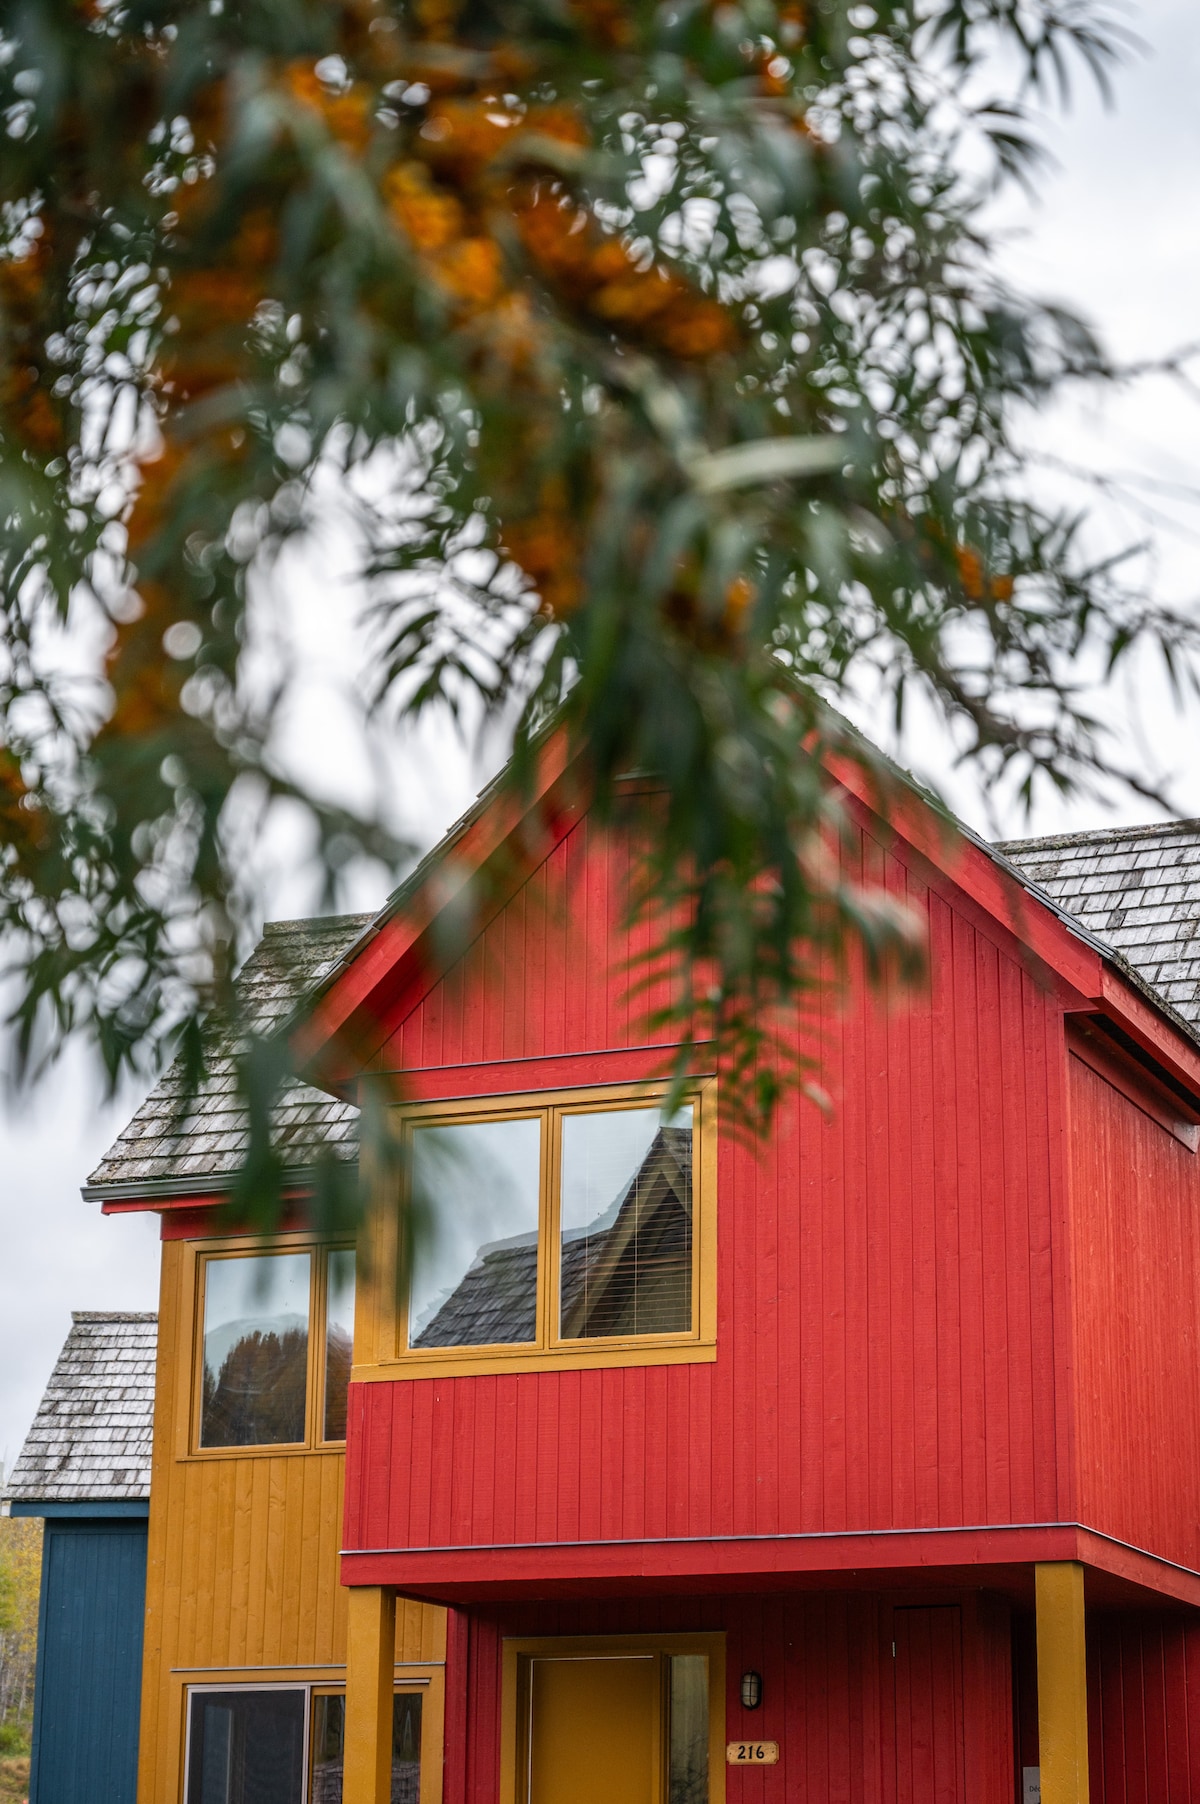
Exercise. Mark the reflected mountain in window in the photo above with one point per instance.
(256, 1398)
(256, 1310)
(339, 1357)
(339, 1339)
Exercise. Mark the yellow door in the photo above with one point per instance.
(595, 1730)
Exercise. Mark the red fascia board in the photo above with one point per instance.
(405, 945)
(205, 1214)
(1121, 1003)
(207, 1223)
(150, 1205)
(464, 1575)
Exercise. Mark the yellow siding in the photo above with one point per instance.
(242, 1578)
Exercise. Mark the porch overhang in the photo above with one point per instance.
(994, 1557)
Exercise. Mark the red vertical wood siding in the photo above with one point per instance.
(886, 1353)
(927, 1669)
(1144, 1709)
(830, 1694)
(1135, 1210)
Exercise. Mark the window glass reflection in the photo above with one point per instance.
(626, 1252)
(246, 1747)
(329, 1728)
(476, 1191)
(406, 1747)
(688, 1729)
(339, 1338)
(255, 1350)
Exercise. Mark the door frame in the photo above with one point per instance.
(519, 1650)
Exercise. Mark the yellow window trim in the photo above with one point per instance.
(518, 1652)
(426, 1678)
(201, 1253)
(380, 1323)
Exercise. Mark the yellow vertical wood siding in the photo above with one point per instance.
(242, 1579)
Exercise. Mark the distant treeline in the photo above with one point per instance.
(20, 1576)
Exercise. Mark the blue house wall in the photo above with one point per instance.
(89, 1665)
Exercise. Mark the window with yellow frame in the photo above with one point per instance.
(576, 1227)
(275, 1331)
(282, 1743)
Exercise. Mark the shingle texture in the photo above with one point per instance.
(90, 1439)
(161, 1143)
(1135, 888)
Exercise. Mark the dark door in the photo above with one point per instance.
(930, 1767)
(89, 1662)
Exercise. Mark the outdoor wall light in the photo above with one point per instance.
(751, 1690)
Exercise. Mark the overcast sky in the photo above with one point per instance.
(1117, 235)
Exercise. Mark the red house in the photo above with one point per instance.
(859, 1466)
(826, 1459)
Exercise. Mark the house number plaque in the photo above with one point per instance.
(752, 1753)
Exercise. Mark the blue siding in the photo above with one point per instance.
(89, 1671)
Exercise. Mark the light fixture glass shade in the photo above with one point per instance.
(751, 1690)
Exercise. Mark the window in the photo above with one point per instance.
(687, 1728)
(339, 1338)
(276, 1335)
(555, 1226)
(247, 1745)
(329, 1727)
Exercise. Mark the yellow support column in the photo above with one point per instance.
(1062, 1682)
(370, 1681)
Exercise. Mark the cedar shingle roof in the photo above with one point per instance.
(90, 1439)
(1135, 888)
(159, 1147)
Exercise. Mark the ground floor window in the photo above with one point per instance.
(329, 1727)
(256, 1744)
(246, 1746)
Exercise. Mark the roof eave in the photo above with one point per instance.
(193, 1191)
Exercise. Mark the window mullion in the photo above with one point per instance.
(316, 1346)
(399, 1265)
(548, 1259)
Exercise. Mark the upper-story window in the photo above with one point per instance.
(276, 1336)
(554, 1226)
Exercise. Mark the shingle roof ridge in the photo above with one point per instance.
(114, 1315)
(317, 923)
(1056, 842)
